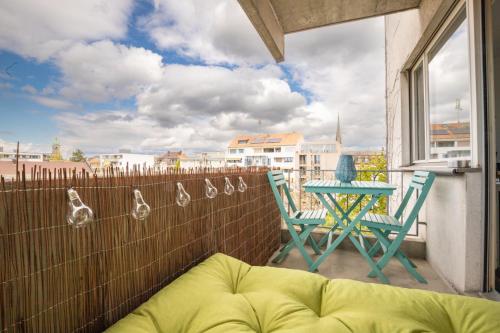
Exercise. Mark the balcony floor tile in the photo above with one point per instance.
(345, 264)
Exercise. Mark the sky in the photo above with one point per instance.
(158, 75)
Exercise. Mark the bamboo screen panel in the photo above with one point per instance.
(57, 278)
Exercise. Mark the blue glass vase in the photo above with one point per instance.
(346, 170)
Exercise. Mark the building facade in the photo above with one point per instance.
(24, 156)
(126, 160)
(271, 150)
(204, 160)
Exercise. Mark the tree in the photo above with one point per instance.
(375, 169)
(77, 156)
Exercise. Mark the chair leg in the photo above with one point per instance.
(324, 239)
(314, 245)
(283, 252)
(297, 239)
(371, 263)
(299, 242)
(398, 254)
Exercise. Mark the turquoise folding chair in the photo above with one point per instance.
(306, 220)
(383, 225)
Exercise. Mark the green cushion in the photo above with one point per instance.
(223, 294)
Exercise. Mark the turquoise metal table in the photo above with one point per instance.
(324, 189)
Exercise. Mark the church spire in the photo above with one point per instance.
(338, 135)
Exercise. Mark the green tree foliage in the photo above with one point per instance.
(375, 169)
(77, 156)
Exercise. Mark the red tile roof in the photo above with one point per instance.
(8, 168)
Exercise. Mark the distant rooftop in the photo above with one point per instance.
(450, 131)
(266, 140)
(319, 147)
(8, 169)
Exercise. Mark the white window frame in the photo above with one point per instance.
(472, 28)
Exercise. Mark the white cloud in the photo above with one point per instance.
(39, 29)
(29, 89)
(215, 31)
(10, 146)
(5, 86)
(103, 70)
(52, 102)
(342, 67)
(191, 107)
(108, 131)
(187, 93)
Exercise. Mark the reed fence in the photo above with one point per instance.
(57, 278)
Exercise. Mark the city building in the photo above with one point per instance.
(170, 159)
(204, 160)
(364, 156)
(271, 150)
(315, 160)
(450, 140)
(125, 160)
(56, 154)
(23, 156)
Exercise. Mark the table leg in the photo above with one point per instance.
(351, 226)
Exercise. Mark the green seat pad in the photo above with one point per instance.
(223, 294)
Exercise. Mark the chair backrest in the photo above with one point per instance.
(421, 181)
(278, 185)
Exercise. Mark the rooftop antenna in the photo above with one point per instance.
(458, 108)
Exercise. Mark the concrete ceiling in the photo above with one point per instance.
(274, 18)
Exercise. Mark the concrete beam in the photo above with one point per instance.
(309, 14)
(263, 17)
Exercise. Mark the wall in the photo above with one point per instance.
(454, 230)
(453, 207)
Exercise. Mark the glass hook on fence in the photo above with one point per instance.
(210, 190)
(182, 198)
(228, 187)
(242, 186)
(140, 210)
(79, 214)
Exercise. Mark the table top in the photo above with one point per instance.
(355, 187)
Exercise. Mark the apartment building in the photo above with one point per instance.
(124, 160)
(315, 160)
(204, 160)
(24, 156)
(271, 150)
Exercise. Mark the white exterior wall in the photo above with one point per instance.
(286, 151)
(121, 160)
(25, 157)
(453, 208)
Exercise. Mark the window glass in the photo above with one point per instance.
(449, 94)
